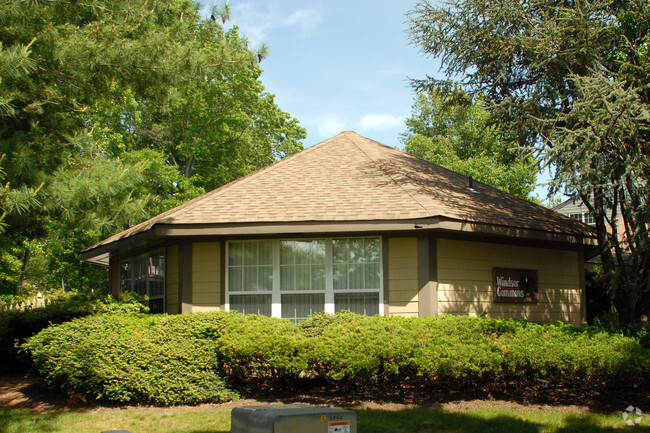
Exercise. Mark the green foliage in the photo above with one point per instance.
(133, 358)
(257, 350)
(460, 134)
(570, 79)
(359, 351)
(16, 325)
(198, 357)
(562, 354)
(114, 111)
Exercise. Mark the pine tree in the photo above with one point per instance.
(113, 110)
(570, 79)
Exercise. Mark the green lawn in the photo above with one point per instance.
(197, 420)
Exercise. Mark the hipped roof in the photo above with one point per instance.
(346, 180)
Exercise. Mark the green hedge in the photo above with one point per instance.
(16, 325)
(187, 359)
(261, 351)
(153, 359)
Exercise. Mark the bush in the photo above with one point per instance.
(564, 355)
(152, 359)
(358, 351)
(16, 325)
(261, 351)
(193, 358)
(456, 352)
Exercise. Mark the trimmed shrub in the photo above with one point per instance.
(260, 350)
(16, 326)
(199, 357)
(152, 359)
(359, 351)
(566, 355)
(457, 350)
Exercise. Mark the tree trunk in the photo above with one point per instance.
(189, 167)
(25, 260)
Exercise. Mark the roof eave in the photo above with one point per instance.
(100, 254)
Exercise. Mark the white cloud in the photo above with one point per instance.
(305, 19)
(257, 23)
(329, 125)
(380, 121)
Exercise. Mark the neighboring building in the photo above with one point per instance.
(352, 224)
(575, 208)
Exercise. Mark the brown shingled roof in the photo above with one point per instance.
(350, 178)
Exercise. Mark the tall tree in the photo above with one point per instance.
(459, 133)
(123, 103)
(571, 79)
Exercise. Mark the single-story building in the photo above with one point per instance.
(352, 224)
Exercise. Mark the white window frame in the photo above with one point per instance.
(276, 293)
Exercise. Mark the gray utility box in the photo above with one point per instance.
(292, 419)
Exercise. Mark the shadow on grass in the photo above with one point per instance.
(20, 420)
(590, 423)
(424, 421)
(420, 420)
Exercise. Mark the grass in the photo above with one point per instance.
(197, 420)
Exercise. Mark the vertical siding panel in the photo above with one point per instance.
(403, 277)
(171, 279)
(206, 276)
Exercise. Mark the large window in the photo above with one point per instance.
(250, 276)
(145, 275)
(294, 279)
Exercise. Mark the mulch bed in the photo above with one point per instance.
(26, 393)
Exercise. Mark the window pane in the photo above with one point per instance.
(372, 276)
(360, 303)
(251, 304)
(265, 253)
(287, 278)
(145, 275)
(372, 252)
(340, 251)
(250, 266)
(300, 307)
(357, 264)
(140, 276)
(250, 278)
(302, 265)
(250, 253)
(235, 279)
(235, 253)
(355, 250)
(340, 276)
(356, 277)
(318, 277)
(126, 276)
(265, 282)
(156, 274)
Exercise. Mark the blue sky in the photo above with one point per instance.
(337, 65)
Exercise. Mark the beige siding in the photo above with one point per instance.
(206, 276)
(171, 277)
(465, 281)
(403, 277)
